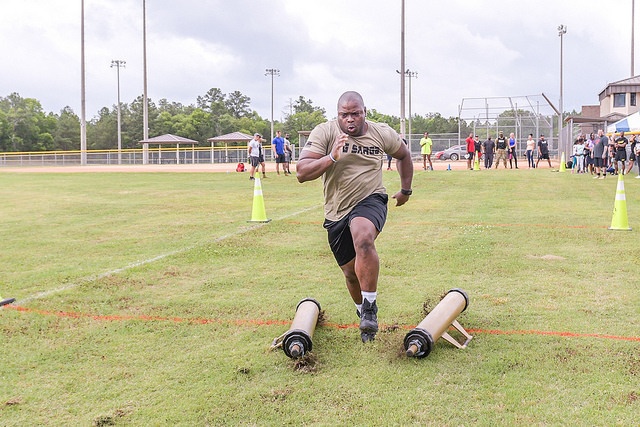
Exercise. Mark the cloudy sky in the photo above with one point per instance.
(460, 49)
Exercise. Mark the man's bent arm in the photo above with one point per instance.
(405, 169)
(404, 164)
(311, 166)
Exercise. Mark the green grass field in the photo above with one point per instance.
(148, 299)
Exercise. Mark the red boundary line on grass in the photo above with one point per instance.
(487, 224)
(241, 322)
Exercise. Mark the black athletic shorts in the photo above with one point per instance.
(255, 161)
(373, 207)
(280, 158)
(621, 155)
(598, 162)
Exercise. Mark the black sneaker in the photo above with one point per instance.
(368, 321)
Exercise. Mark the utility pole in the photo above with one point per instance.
(145, 102)
(272, 72)
(118, 64)
(83, 103)
(562, 30)
(402, 97)
(633, 34)
(410, 74)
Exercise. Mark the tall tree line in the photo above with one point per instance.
(25, 126)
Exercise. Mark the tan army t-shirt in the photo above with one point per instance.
(358, 172)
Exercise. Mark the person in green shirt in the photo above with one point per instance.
(425, 150)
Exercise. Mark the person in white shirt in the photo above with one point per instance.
(531, 148)
(256, 156)
(578, 156)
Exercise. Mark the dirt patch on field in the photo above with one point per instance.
(547, 257)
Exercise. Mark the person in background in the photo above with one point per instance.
(471, 148)
(588, 153)
(347, 153)
(477, 146)
(600, 150)
(288, 153)
(543, 151)
(513, 156)
(425, 149)
(578, 156)
(489, 149)
(620, 145)
(256, 156)
(277, 147)
(501, 149)
(611, 155)
(632, 153)
(531, 147)
(637, 150)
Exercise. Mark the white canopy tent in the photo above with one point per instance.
(630, 124)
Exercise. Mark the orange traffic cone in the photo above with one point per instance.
(620, 221)
(258, 213)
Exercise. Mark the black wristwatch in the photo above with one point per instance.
(406, 192)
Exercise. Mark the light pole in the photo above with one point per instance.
(145, 103)
(83, 114)
(633, 33)
(402, 114)
(272, 72)
(562, 30)
(410, 74)
(119, 63)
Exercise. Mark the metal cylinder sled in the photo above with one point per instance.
(420, 340)
(7, 301)
(297, 340)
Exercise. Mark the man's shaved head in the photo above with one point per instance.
(350, 96)
(351, 114)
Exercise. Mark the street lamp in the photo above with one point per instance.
(119, 63)
(410, 74)
(272, 72)
(562, 30)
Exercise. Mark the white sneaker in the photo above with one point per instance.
(638, 176)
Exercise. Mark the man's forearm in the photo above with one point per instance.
(309, 169)
(405, 169)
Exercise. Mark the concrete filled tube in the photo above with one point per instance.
(420, 340)
(7, 301)
(298, 339)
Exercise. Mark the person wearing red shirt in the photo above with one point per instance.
(471, 148)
